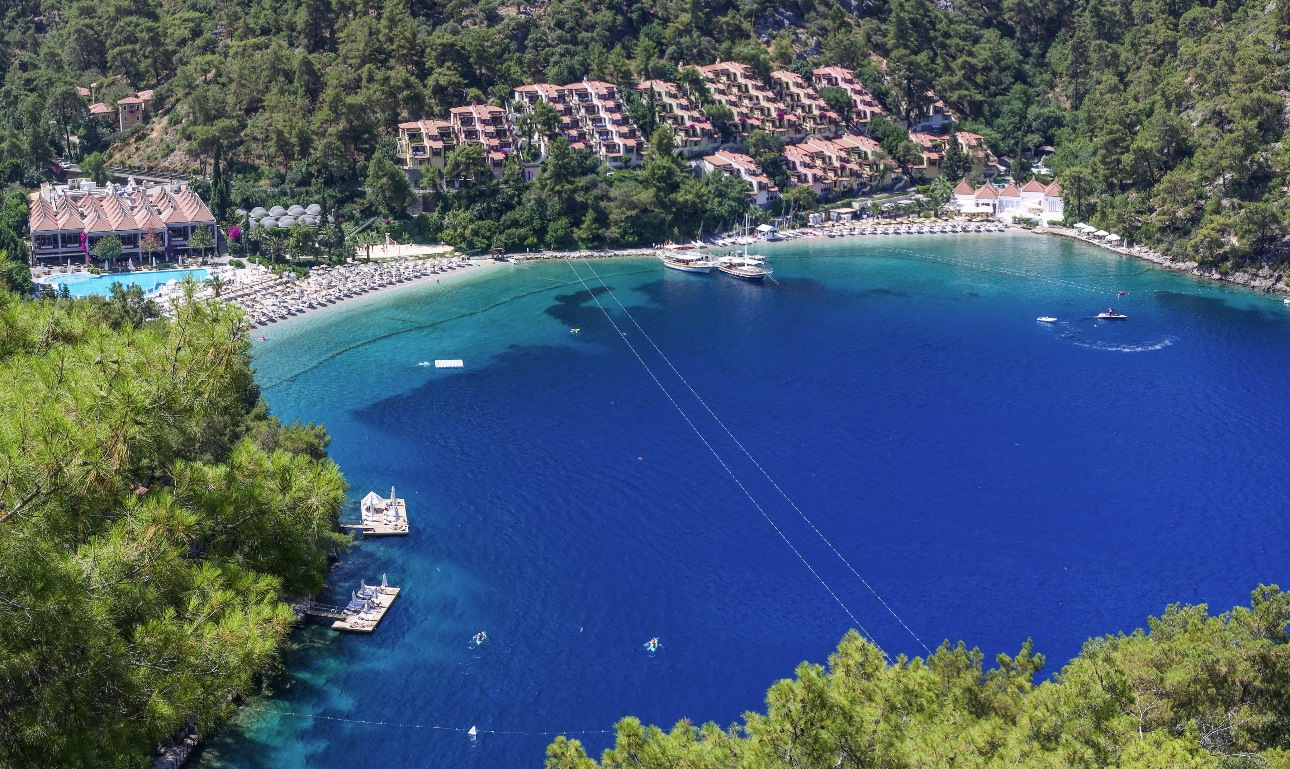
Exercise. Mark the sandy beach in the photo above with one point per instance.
(269, 299)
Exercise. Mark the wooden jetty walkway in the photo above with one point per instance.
(366, 609)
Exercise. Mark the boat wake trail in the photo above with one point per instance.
(1094, 344)
(1146, 346)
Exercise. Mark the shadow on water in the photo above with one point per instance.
(1212, 306)
(577, 310)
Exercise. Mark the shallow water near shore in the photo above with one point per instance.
(991, 477)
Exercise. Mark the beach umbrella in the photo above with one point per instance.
(1112, 238)
(1101, 234)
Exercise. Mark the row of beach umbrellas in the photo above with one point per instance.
(1094, 232)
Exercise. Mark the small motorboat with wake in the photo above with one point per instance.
(1045, 319)
(744, 267)
(652, 645)
(1111, 314)
(479, 638)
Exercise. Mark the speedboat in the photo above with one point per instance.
(1111, 314)
(1046, 319)
(685, 262)
(744, 267)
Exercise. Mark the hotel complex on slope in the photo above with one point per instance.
(67, 221)
(831, 153)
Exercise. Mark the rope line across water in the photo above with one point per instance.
(758, 465)
(720, 461)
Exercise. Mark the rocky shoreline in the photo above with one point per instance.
(1266, 279)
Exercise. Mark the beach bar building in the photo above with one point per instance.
(68, 220)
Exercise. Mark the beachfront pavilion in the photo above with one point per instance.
(67, 221)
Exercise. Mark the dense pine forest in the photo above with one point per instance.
(153, 521)
(1166, 115)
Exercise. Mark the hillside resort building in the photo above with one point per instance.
(68, 220)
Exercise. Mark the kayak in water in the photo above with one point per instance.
(480, 638)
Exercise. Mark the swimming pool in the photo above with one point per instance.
(83, 284)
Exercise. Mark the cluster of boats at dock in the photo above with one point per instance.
(739, 265)
(686, 257)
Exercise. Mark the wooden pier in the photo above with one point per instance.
(367, 621)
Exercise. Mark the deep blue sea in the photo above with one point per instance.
(992, 479)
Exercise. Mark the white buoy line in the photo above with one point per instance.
(472, 731)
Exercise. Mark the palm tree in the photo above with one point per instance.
(366, 240)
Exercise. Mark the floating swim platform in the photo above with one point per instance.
(381, 517)
(385, 597)
(449, 364)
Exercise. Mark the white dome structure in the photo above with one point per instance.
(314, 209)
(277, 211)
(258, 213)
(286, 222)
(296, 210)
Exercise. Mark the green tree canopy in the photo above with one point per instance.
(1193, 690)
(152, 521)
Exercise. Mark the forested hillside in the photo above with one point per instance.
(1193, 691)
(1167, 115)
(153, 519)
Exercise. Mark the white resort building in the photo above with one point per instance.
(68, 220)
(1035, 200)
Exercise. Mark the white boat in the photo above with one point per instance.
(1111, 314)
(744, 267)
(1046, 319)
(686, 262)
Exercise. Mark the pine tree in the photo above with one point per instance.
(219, 188)
(954, 164)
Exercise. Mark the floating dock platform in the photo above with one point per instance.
(381, 517)
(366, 622)
(455, 363)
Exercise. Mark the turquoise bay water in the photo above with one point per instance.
(991, 477)
(82, 284)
